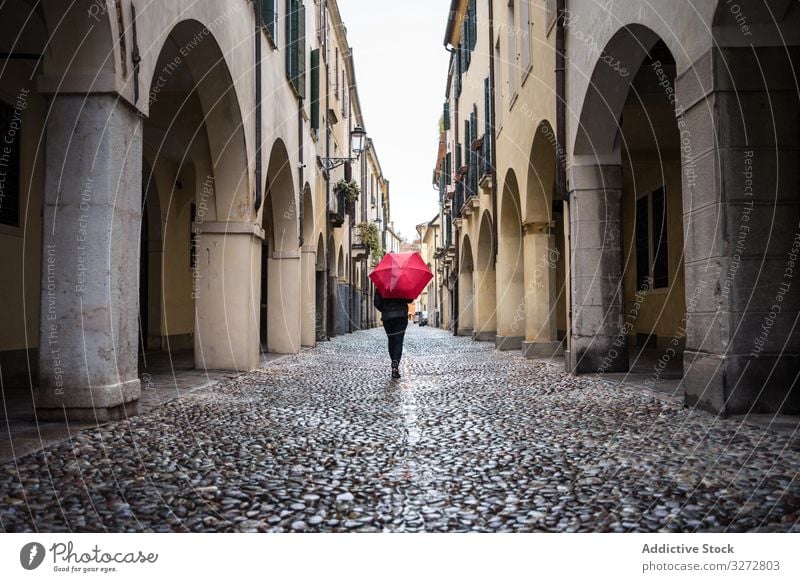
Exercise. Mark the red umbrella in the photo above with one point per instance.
(401, 276)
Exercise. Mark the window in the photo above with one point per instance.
(296, 46)
(512, 52)
(524, 36)
(336, 72)
(10, 122)
(269, 18)
(652, 266)
(315, 89)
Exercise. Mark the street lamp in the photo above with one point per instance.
(357, 139)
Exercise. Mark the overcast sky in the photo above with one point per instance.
(401, 72)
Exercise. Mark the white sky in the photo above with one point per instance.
(401, 72)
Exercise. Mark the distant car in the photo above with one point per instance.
(416, 316)
(423, 318)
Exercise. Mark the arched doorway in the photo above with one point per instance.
(466, 304)
(308, 336)
(485, 281)
(321, 286)
(510, 269)
(546, 290)
(626, 149)
(283, 277)
(194, 142)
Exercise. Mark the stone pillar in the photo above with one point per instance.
(90, 294)
(466, 304)
(510, 303)
(285, 302)
(226, 290)
(308, 259)
(485, 298)
(741, 205)
(540, 292)
(599, 343)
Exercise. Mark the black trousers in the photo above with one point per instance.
(395, 331)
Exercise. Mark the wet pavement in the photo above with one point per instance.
(468, 440)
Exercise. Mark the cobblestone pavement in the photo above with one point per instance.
(469, 439)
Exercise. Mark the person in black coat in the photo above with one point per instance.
(394, 314)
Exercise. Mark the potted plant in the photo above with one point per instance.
(350, 188)
(370, 236)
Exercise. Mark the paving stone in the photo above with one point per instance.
(469, 439)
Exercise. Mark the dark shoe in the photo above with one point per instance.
(395, 369)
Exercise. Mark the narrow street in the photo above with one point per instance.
(468, 439)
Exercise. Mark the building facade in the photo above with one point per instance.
(624, 189)
(168, 183)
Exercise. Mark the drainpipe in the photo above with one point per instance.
(493, 157)
(259, 169)
(561, 106)
(328, 316)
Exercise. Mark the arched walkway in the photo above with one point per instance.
(510, 269)
(485, 284)
(281, 218)
(466, 290)
(545, 262)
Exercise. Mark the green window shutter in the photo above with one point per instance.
(487, 115)
(448, 168)
(269, 16)
(300, 70)
(291, 39)
(473, 24)
(315, 89)
(446, 115)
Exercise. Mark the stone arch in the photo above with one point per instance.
(626, 178)
(340, 264)
(541, 175)
(466, 296)
(203, 75)
(281, 193)
(598, 124)
(544, 242)
(308, 271)
(510, 268)
(485, 282)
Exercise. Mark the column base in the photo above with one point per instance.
(736, 384)
(483, 336)
(598, 359)
(119, 412)
(465, 331)
(542, 349)
(505, 343)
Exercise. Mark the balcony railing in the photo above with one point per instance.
(338, 208)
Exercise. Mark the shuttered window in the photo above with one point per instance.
(487, 117)
(525, 35)
(315, 89)
(446, 115)
(642, 245)
(269, 17)
(658, 203)
(652, 250)
(473, 24)
(296, 46)
(512, 52)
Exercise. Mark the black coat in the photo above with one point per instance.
(391, 308)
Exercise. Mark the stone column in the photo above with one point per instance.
(90, 293)
(741, 205)
(510, 303)
(485, 298)
(540, 291)
(466, 304)
(308, 257)
(226, 291)
(285, 302)
(599, 343)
